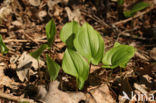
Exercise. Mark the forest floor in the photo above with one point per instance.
(22, 26)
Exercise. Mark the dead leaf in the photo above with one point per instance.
(73, 15)
(17, 23)
(25, 63)
(42, 14)
(55, 95)
(141, 88)
(58, 10)
(35, 2)
(153, 53)
(101, 94)
(5, 11)
(5, 80)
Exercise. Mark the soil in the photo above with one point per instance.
(22, 28)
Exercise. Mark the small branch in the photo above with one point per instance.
(15, 98)
(138, 15)
(24, 41)
(95, 18)
(30, 38)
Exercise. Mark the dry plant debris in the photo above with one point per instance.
(22, 26)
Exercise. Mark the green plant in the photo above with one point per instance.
(85, 46)
(3, 47)
(89, 44)
(53, 67)
(75, 65)
(119, 55)
(139, 6)
(69, 32)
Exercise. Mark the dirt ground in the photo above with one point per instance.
(22, 26)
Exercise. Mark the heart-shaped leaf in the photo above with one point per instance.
(69, 32)
(3, 47)
(50, 31)
(75, 65)
(53, 68)
(119, 55)
(90, 44)
(36, 54)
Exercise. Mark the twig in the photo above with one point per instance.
(15, 98)
(131, 18)
(16, 40)
(30, 38)
(95, 18)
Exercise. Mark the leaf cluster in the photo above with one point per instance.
(85, 46)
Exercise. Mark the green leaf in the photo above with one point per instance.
(53, 68)
(139, 6)
(116, 44)
(69, 32)
(36, 54)
(50, 31)
(90, 44)
(75, 65)
(120, 2)
(3, 47)
(128, 13)
(118, 56)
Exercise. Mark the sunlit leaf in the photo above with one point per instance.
(50, 31)
(139, 6)
(69, 32)
(75, 65)
(119, 55)
(36, 54)
(53, 68)
(3, 47)
(90, 44)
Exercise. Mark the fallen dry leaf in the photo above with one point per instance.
(35, 2)
(153, 53)
(5, 80)
(55, 95)
(5, 11)
(26, 62)
(73, 15)
(101, 94)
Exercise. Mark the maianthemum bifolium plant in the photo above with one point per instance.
(85, 46)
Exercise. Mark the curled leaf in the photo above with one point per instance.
(75, 65)
(36, 54)
(69, 32)
(90, 44)
(53, 68)
(119, 55)
(50, 31)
